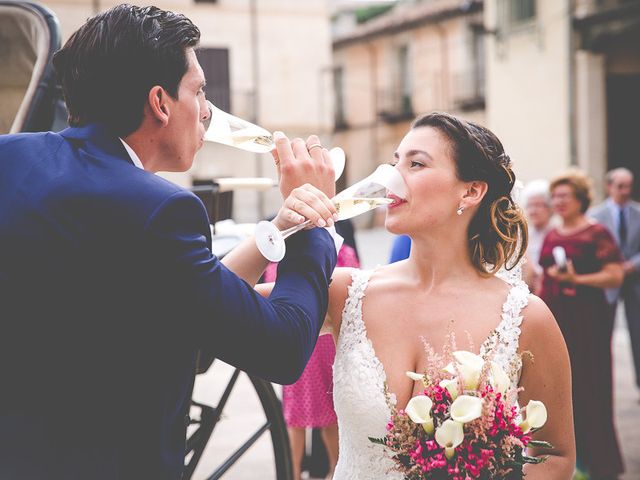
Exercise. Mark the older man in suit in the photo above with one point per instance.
(622, 216)
(108, 286)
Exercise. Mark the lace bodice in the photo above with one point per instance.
(358, 395)
(359, 381)
(503, 341)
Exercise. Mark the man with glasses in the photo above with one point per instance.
(621, 215)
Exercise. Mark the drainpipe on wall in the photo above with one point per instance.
(444, 58)
(373, 73)
(573, 157)
(255, 73)
(325, 74)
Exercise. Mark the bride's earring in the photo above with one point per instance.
(460, 210)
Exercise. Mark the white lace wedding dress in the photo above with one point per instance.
(359, 378)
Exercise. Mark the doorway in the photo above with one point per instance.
(623, 124)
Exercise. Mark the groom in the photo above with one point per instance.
(108, 286)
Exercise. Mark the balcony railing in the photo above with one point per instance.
(395, 105)
(606, 4)
(340, 120)
(236, 102)
(605, 21)
(468, 89)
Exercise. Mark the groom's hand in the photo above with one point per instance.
(306, 203)
(299, 162)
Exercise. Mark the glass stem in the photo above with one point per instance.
(291, 230)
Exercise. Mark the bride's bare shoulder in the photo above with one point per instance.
(539, 327)
(381, 278)
(339, 287)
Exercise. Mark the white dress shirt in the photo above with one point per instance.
(134, 158)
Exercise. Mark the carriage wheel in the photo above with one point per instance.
(234, 430)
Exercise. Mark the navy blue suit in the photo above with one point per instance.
(107, 289)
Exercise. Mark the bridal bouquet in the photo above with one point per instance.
(466, 423)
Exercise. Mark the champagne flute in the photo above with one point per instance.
(365, 195)
(222, 127)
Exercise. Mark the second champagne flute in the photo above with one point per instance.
(361, 197)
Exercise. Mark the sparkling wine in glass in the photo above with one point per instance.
(361, 197)
(222, 127)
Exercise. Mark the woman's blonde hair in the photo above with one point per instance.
(498, 231)
(579, 182)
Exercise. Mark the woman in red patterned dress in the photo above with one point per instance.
(576, 298)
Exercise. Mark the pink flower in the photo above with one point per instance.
(431, 445)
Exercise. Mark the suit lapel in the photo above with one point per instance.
(610, 223)
(633, 224)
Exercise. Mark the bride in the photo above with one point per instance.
(464, 227)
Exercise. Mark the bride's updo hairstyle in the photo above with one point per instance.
(498, 231)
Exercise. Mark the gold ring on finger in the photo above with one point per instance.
(311, 147)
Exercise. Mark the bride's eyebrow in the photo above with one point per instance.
(411, 153)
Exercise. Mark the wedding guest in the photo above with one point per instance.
(346, 230)
(536, 202)
(576, 297)
(621, 215)
(308, 403)
(400, 248)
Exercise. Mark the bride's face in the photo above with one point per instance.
(424, 158)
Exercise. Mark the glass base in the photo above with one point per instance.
(269, 241)
(338, 158)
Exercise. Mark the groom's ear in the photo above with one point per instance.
(157, 105)
(476, 191)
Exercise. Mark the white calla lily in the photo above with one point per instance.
(416, 377)
(467, 358)
(419, 411)
(536, 416)
(470, 374)
(451, 385)
(449, 435)
(466, 408)
(499, 378)
(450, 368)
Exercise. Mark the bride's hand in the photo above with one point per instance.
(306, 202)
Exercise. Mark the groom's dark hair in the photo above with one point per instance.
(110, 63)
(498, 231)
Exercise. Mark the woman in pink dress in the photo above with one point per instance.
(308, 403)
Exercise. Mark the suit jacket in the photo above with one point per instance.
(107, 289)
(631, 249)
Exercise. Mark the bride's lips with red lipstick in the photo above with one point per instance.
(397, 201)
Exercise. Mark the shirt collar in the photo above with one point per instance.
(134, 158)
(613, 205)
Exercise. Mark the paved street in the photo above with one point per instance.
(244, 415)
(627, 401)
